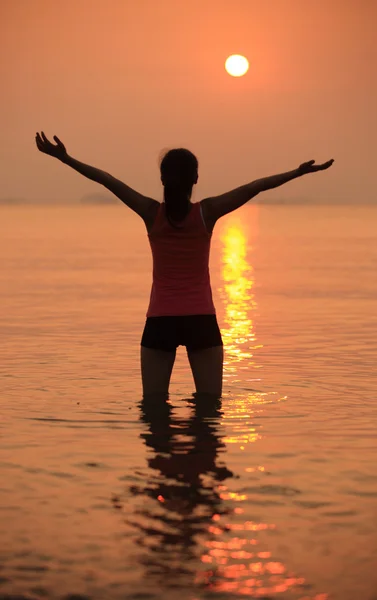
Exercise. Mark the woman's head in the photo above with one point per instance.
(179, 167)
(179, 173)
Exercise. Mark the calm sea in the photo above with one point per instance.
(271, 493)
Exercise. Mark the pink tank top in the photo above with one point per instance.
(181, 282)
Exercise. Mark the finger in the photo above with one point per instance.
(41, 145)
(327, 164)
(59, 143)
(45, 138)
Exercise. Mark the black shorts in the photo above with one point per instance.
(196, 332)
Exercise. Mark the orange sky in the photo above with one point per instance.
(119, 81)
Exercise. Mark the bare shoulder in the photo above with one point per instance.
(150, 213)
(218, 206)
(208, 214)
(140, 204)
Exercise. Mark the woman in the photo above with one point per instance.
(181, 309)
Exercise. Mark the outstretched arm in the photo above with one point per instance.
(218, 206)
(142, 205)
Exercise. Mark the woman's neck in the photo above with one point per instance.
(178, 214)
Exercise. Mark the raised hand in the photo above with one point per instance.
(44, 145)
(311, 167)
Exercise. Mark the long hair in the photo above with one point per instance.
(179, 172)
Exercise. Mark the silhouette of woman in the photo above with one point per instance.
(181, 309)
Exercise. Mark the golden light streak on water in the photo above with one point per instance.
(236, 558)
(237, 294)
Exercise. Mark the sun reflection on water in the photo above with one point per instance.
(237, 559)
(237, 293)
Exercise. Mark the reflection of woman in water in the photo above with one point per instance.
(183, 485)
(181, 309)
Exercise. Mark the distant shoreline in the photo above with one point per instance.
(115, 203)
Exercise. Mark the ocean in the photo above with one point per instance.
(270, 493)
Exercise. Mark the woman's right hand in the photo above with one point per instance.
(44, 145)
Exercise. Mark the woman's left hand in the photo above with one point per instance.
(311, 167)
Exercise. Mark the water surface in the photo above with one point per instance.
(270, 493)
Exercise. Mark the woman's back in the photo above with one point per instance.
(181, 281)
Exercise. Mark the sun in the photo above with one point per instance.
(236, 65)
